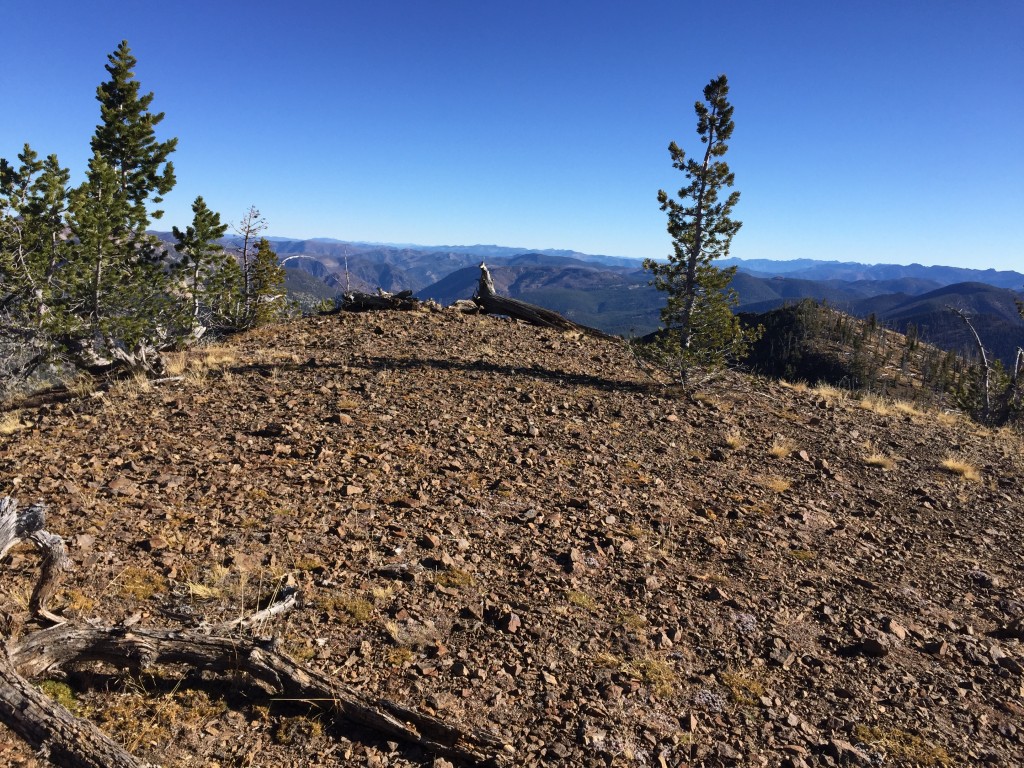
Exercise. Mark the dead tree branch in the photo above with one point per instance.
(70, 741)
(491, 303)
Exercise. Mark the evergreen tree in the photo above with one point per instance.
(204, 264)
(700, 327)
(32, 246)
(267, 285)
(126, 139)
(118, 283)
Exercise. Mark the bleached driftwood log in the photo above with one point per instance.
(69, 741)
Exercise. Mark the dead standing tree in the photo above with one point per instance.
(71, 742)
(492, 304)
(986, 401)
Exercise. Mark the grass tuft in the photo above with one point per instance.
(962, 468)
(879, 460)
(781, 447)
(10, 423)
(902, 746)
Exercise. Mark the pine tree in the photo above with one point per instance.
(203, 264)
(117, 280)
(267, 286)
(126, 139)
(700, 327)
(33, 244)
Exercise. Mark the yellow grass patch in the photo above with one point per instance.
(962, 468)
(10, 423)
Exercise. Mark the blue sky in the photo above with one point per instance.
(874, 131)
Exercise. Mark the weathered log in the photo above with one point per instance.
(59, 736)
(491, 303)
(49, 650)
(68, 741)
(368, 302)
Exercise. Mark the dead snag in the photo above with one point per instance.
(68, 741)
(986, 398)
(493, 304)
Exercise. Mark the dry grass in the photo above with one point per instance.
(129, 388)
(801, 555)
(658, 674)
(10, 423)
(777, 484)
(139, 583)
(962, 468)
(902, 747)
(81, 386)
(877, 405)
(908, 409)
(734, 440)
(196, 363)
(744, 689)
(781, 447)
(876, 458)
(830, 392)
(582, 600)
(454, 578)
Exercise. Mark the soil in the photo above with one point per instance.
(519, 530)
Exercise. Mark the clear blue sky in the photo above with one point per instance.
(876, 131)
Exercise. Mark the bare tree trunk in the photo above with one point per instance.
(491, 303)
(986, 402)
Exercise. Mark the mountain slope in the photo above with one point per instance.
(517, 529)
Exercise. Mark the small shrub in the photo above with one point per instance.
(61, 693)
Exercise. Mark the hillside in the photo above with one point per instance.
(616, 297)
(515, 529)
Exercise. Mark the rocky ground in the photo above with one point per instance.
(517, 529)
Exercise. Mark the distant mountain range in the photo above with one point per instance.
(613, 294)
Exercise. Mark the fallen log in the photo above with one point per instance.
(69, 741)
(369, 302)
(492, 304)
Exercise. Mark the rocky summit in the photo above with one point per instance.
(518, 530)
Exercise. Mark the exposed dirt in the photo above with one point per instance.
(517, 529)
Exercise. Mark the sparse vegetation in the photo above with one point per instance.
(903, 746)
(961, 468)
